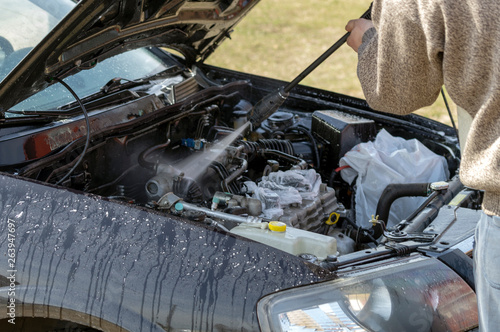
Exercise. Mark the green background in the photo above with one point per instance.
(280, 38)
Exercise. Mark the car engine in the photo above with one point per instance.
(182, 144)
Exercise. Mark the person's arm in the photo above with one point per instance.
(400, 60)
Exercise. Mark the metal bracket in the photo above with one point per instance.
(399, 236)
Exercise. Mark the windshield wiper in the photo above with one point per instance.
(38, 119)
(115, 85)
(36, 114)
(57, 114)
(112, 92)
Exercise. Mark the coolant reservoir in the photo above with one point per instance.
(292, 240)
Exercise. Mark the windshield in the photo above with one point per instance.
(24, 23)
(90, 81)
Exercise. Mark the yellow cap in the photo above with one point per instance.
(277, 226)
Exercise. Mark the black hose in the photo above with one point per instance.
(332, 177)
(360, 234)
(252, 149)
(224, 174)
(301, 163)
(142, 159)
(305, 131)
(87, 125)
(389, 195)
(394, 191)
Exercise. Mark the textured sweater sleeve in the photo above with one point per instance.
(400, 62)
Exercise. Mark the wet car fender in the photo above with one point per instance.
(78, 257)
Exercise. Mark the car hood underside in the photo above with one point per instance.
(98, 29)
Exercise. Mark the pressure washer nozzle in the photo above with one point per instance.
(267, 106)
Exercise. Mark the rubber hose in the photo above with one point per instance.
(389, 195)
(394, 191)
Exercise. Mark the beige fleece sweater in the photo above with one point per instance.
(416, 46)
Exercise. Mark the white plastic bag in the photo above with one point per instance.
(305, 183)
(388, 160)
(279, 189)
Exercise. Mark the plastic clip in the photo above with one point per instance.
(329, 221)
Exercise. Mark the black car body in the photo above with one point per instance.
(145, 221)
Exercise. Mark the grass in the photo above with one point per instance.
(280, 38)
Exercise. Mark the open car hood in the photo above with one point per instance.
(98, 29)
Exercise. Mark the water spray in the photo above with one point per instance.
(197, 164)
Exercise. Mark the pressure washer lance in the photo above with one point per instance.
(270, 103)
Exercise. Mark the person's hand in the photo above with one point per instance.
(357, 28)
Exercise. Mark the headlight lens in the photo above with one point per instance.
(420, 294)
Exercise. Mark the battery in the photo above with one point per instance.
(342, 131)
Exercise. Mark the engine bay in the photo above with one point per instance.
(181, 144)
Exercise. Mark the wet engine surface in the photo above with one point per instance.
(181, 146)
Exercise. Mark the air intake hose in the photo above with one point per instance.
(389, 195)
(394, 191)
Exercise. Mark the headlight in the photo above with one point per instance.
(421, 294)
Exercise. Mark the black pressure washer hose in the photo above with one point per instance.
(270, 103)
